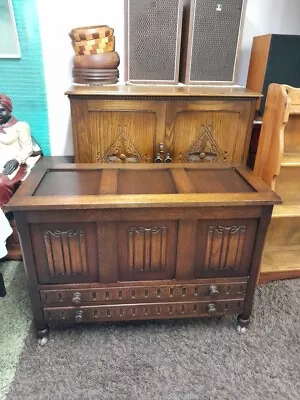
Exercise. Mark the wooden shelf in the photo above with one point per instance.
(280, 262)
(291, 160)
(286, 210)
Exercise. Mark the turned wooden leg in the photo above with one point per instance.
(242, 323)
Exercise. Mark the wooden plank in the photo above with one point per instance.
(186, 249)
(182, 181)
(280, 262)
(160, 91)
(108, 182)
(107, 252)
(36, 176)
(142, 201)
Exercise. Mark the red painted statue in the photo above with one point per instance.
(15, 149)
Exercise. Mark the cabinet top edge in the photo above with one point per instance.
(160, 91)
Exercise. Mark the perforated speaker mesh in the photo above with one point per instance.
(152, 39)
(216, 32)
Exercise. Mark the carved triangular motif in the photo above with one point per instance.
(204, 149)
(122, 149)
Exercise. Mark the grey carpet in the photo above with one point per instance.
(183, 359)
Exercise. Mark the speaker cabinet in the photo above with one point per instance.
(211, 37)
(274, 59)
(153, 38)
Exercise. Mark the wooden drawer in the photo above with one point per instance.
(144, 293)
(119, 312)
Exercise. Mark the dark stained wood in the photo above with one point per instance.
(139, 90)
(130, 123)
(142, 242)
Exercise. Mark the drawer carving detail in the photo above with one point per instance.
(66, 252)
(187, 292)
(143, 311)
(147, 249)
(205, 148)
(224, 247)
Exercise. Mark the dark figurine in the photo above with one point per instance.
(15, 148)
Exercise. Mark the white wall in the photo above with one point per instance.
(58, 17)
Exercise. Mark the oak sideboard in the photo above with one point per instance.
(147, 241)
(161, 124)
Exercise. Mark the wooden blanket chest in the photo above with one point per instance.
(125, 242)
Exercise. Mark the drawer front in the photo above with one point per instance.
(118, 312)
(157, 293)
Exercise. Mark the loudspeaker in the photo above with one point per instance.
(211, 37)
(274, 59)
(152, 39)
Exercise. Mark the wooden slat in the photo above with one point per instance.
(286, 210)
(182, 181)
(107, 252)
(143, 201)
(186, 249)
(36, 176)
(158, 91)
(280, 262)
(109, 182)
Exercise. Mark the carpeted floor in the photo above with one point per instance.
(183, 359)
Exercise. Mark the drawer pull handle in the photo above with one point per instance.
(211, 308)
(76, 299)
(213, 291)
(79, 316)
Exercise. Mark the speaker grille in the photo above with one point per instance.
(216, 32)
(153, 30)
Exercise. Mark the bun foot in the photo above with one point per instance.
(242, 324)
(43, 335)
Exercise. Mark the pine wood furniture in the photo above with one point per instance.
(124, 242)
(161, 123)
(278, 164)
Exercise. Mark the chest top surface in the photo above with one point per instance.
(161, 91)
(84, 186)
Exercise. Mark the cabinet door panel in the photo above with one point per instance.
(147, 250)
(124, 131)
(225, 247)
(65, 253)
(208, 132)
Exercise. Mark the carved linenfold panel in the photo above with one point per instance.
(147, 249)
(204, 149)
(121, 150)
(224, 247)
(144, 311)
(66, 252)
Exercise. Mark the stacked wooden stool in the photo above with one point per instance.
(96, 61)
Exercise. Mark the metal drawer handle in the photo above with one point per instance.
(213, 291)
(211, 308)
(76, 299)
(79, 316)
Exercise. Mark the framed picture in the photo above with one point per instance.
(9, 42)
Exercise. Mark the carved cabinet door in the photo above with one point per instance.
(147, 250)
(122, 131)
(203, 131)
(65, 253)
(224, 247)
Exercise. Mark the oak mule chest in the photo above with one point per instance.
(148, 241)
